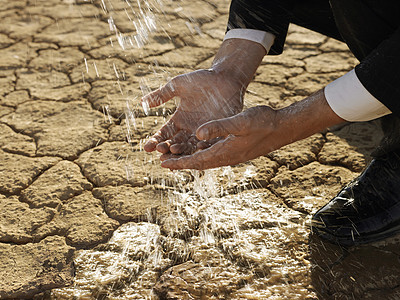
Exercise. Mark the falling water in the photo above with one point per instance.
(213, 219)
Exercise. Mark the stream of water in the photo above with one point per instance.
(218, 237)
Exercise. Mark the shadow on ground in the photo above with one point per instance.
(363, 272)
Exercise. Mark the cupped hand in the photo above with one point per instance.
(246, 136)
(204, 95)
(255, 132)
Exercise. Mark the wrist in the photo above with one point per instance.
(306, 117)
(238, 60)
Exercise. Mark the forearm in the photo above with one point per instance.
(304, 118)
(238, 59)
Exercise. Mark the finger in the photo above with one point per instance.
(163, 147)
(179, 148)
(185, 144)
(203, 145)
(165, 133)
(206, 144)
(181, 137)
(168, 156)
(160, 95)
(183, 148)
(221, 127)
(220, 154)
(151, 144)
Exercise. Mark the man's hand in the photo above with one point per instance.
(255, 132)
(245, 136)
(205, 95)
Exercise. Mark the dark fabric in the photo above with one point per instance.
(267, 15)
(391, 140)
(376, 44)
(320, 20)
(379, 72)
(275, 15)
(369, 27)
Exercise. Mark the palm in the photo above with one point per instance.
(204, 96)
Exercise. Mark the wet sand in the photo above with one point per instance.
(86, 214)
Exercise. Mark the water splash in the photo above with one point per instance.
(196, 216)
(143, 21)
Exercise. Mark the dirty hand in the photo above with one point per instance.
(245, 136)
(205, 95)
(255, 132)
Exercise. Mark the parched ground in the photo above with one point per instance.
(86, 214)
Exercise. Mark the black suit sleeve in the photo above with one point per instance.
(267, 15)
(379, 72)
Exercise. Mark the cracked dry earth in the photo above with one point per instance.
(86, 214)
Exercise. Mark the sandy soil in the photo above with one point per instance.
(86, 214)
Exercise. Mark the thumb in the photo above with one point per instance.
(160, 95)
(221, 127)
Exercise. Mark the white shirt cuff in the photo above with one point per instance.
(351, 101)
(264, 38)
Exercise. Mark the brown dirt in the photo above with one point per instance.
(75, 185)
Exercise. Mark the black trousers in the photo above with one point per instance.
(370, 28)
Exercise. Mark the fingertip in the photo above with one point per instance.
(177, 148)
(152, 100)
(211, 130)
(147, 98)
(168, 164)
(202, 133)
(162, 148)
(150, 146)
(203, 145)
